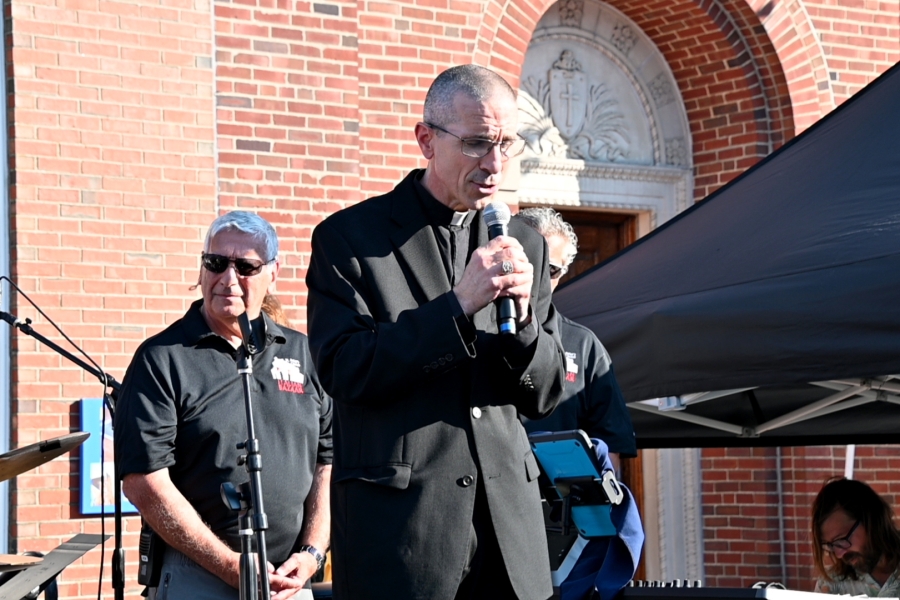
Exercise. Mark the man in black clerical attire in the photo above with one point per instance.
(435, 490)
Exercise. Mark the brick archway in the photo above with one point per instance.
(505, 32)
(730, 76)
(802, 58)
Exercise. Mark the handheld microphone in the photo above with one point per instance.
(496, 216)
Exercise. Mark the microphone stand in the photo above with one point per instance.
(109, 400)
(252, 516)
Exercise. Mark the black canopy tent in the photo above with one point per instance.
(769, 313)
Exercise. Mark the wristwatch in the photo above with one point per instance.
(320, 558)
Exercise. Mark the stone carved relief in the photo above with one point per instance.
(570, 12)
(676, 152)
(623, 38)
(602, 116)
(567, 116)
(661, 90)
(535, 123)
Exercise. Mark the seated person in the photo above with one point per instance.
(853, 527)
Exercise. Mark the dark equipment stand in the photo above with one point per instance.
(42, 576)
(250, 505)
(109, 400)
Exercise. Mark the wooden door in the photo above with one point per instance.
(600, 235)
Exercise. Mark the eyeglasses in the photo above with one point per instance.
(842, 543)
(480, 147)
(557, 271)
(245, 267)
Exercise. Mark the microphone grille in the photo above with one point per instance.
(496, 213)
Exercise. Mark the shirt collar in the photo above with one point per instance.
(438, 213)
(197, 328)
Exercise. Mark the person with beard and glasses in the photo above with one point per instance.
(853, 528)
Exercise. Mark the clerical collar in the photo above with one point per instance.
(461, 219)
(438, 213)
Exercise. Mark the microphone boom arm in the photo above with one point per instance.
(26, 328)
(109, 399)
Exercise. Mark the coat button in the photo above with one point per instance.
(476, 412)
(434, 365)
(466, 480)
(449, 357)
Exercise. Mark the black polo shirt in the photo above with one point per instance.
(181, 407)
(592, 400)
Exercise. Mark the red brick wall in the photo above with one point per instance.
(112, 144)
(287, 121)
(739, 508)
(859, 39)
(830, 50)
(132, 125)
(740, 504)
(403, 45)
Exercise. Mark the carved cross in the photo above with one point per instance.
(569, 96)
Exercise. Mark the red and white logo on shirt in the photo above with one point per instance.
(288, 374)
(571, 367)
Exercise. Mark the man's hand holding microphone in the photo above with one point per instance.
(498, 272)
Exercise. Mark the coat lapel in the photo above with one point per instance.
(485, 319)
(413, 238)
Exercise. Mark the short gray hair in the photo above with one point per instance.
(478, 83)
(548, 222)
(252, 224)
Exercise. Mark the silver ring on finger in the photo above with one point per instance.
(507, 267)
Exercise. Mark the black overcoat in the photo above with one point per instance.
(421, 417)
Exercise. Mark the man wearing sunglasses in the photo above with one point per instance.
(181, 413)
(593, 401)
(856, 546)
(435, 487)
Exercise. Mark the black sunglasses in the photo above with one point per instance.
(557, 271)
(245, 267)
(842, 543)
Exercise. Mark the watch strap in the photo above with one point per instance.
(320, 558)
